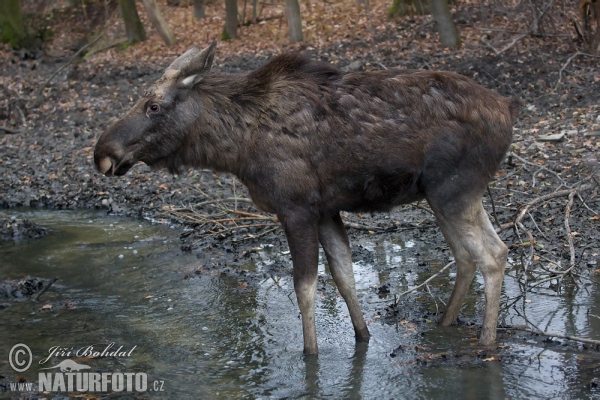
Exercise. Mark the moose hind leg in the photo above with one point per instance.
(474, 244)
(334, 240)
(465, 271)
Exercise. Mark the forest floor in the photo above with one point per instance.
(545, 196)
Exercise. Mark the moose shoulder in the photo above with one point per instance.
(310, 141)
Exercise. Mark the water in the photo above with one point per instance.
(123, 281)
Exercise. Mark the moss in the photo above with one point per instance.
(401, 8)
(394, 9)
(125, 45)
(225, 35)
(11, 24)
(46, 33)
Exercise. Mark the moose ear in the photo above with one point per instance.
(192, 65)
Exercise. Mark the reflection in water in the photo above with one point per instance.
(122, 281)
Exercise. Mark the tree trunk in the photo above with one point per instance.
(254, 11)
(595, 40)
(199, 11)
(445, 24)
(292, 10)
(133, 25)
(11, 23)
(231, 20)
(165, 32)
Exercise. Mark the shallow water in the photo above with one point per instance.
(123, 281)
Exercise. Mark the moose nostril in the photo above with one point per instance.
(105, 165)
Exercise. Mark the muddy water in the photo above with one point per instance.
(123, 281)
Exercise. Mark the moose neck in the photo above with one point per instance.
(226, 112)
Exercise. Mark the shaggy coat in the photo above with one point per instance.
(309, 141)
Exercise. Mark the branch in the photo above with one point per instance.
(36, 298)
(579, 53)
(532, 203)
(569, 234)
(556, 335)
(38, 97)
(427, 281)
(511, 44)
(534, 26)
(10, 130)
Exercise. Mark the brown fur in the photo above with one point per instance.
(309, 140)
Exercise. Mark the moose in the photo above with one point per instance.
(309, 141)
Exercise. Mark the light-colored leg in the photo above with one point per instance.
(465, 271)
(301, 232)
(334, 240)
(474, 244)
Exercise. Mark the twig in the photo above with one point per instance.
(393, 228)
(537, 227)
(554, 334)
(437, 311)
(380, 64)
(397, 297)
(213, 201)
(524, 161)
(363, 227)
(44, 289)
(532, 203)
(420, 207)
(10, 130)
(511, 44)
(531, 251)
(428, 280)
(37, 100)
(263, 233)
(579, 53)
(569, 234)
(233, 228)
(534, 26)
(493, 207)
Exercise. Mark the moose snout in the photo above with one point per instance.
(111, 156)
(104, 165)
(111, 165)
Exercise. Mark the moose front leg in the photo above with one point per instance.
(334, 240)
(302, 235)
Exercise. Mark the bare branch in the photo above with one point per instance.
(579, 53)
(554, 334)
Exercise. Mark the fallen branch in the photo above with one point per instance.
(511, 44)
(38, 98)
(554, 334)
(569, 234)
(392, 228)
(426, 282)
(397, 297)
(541, 167)
(10, 130)
(579, 53)
(531, 251)
(44, 289)
(534, 202)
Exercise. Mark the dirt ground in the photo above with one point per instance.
(46, 156)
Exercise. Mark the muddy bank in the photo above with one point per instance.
(49, 161)
(18, 229)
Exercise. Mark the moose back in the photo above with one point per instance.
(310, 141)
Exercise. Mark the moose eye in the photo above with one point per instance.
(152, 109)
